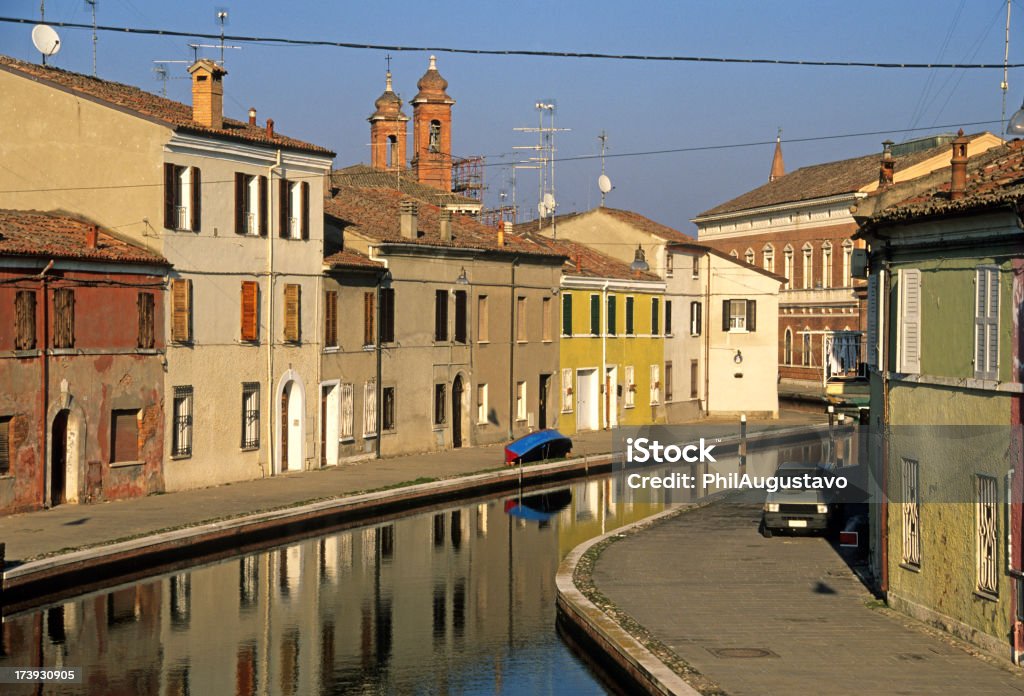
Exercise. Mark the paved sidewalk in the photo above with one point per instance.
(778, 616)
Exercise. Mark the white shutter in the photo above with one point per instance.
(347, 411)
(873, 320)
(986, 323)
(370, 409)
(566, 389)
(910, 321)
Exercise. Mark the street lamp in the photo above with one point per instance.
(463, 279)
(1016, 123)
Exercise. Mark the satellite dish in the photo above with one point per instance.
(542, 209)
(549, 202)
(45, 39)
(604, 183)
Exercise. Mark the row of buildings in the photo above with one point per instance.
(190, 300)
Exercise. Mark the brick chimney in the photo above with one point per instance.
(446, 225)
(270, 128)
(252, 115)
(958, 181)
(501, 233)
(886, 167)
(408, 219)
(92, 236)
(207, 93)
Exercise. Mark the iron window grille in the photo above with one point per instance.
(250, 415)
(985, 525)
(911, 514)
(181, 432)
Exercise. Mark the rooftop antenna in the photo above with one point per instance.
(603, 182)
(545, 159)
(1006, 60)
(222, 19)
(92, 4)
(160, 69)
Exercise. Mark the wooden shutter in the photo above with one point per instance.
(461, 318)
(5, 445)
(170, 197)
(305, 210)
(181, 310)
(751, 315)
(610, 316)
(124, 446)
(440, 315)
(331, 318)
(292, 295)
(986, 323)
(567, 314)
(197, 200)
(64, 318)
(873, 320)
(629, 316)
(655, 317)
(595, 315)
(910, 320)
(284, 212)
(239, 203)
(668, 317)
(387, 315)
(725, 315)
(25, 318)
(264, 206)
(368, 338)
(147, 320)
(250, 310)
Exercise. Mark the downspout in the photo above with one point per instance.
(44, 372)
(606, 401)
(883, 365)
(271, 397)
(1015, 481)
(512, 350)
(707, 341)
(379, 402)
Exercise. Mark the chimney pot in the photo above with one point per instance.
(446, 225)
(252, 115)
(91, 236)
(207, 93)
(270, 128)
(501, 233)
(958, 167)
(408, 220)
(887, 166)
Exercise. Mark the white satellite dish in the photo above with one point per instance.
(549, 202)
(604, 183)
(542, 209)
(45, 39)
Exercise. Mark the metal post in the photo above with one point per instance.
(743, 439)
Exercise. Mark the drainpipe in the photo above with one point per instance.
(512, 350)
(883, 365)
(379, 350)
(44, 372)
(271, 397)
(706, 318)
(606, 401)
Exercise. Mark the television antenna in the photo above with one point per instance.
(160, 70)
(544, 160)
(603, 182)
(92, 4)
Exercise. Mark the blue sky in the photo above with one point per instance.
(325, 94)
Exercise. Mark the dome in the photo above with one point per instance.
(388, 104)
(432, 84)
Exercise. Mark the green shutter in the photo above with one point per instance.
(566, 314)
(595, 315)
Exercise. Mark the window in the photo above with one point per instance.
(370, 409)
(182, 199)
(805, 353)
(808, 266)
(986, 322)
(668, 317)
(595, 315)
(911, 514)
(669, 263)
(985, 535)
(331, 319)
(521, 335)
(250, 314)
(482, 407)
(521, 401)
(387, 413)
(347, 412)
(250, 415)
(292, 313)
(387, 315)
(181, 423)
(25, 320)
(695, 273)
(739, 315)
(5, 444)
(251, 204)
(826, 265)
(440, 315)
(787, 351)
(735, 254)
(434, 143)
(369, 321)
(629, 376)
(610, 315)
(694, 379)
(440, 404)
(64, 318)
(566, 314)
(483, 319)
(909, 280)
(566, 390)
(545, 314)
(768, 255)
(655, 316)
(668, 382)
(629, 317)
(696, 318)
(293, 207)
(874, 319)
(146, 303)
(787, 255)
(655, 384)
(748, 256)
(181, 310)
(847, 263)
(124, 435)
(461, 316)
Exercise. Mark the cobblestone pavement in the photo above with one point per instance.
(784, 615)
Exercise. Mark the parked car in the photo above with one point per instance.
(799, 509)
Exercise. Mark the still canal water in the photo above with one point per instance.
(459, 600)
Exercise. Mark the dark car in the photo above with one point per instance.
(795, 506)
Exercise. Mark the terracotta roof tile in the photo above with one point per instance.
(365, 176)
(582, 261)
(51, 235)
(351, 259)
(635, 219)
(173, 113)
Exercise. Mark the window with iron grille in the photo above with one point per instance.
(5, 444)
(182, 197)
(124, 435)
(64, 318)
(252, 203)
(387, 414)
(181, 425)
(147, 320)
(250, 415)
(985, 535)
(25, 318)
(911, 514)
(440, 404)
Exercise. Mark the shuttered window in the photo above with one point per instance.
(292, 314)
(252, 203)
(696, 318)
(610, 315)
(461, 316)
(566, 390)
(369, 409)
(655, 384)
(124, 436)
(910, 321)
(369, 338)
(629, 316)
(986, 322)
(440, 315)
(5, 444)
(250, 328)
(655, 316)
(284, 210)
(25, 320)
(64, 318)
(739, 315)
(182, 198)
(595, 315)
(387, 315)
(305, 210)
(668, 317)
(567, 314)
(347, 411)
(197, 200)
(874, 317)
(331, 319)
(147, 320)
(629, 377)
(181, 310)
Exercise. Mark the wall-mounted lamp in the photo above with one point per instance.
(639, 261)
(738, 358)
(463, 279)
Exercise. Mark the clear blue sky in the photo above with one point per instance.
(325, 94)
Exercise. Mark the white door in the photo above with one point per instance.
(587, 399)
(330, 417)
(611, 396)
(293, 458)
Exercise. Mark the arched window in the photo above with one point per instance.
(392, 149)
(768, 255)
(787, 353)
(826, 265)
(808, 266)
(788, 257)
(805, 358)
(847, 261)
(435, 136)
(748, 256)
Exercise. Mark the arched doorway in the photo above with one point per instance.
(457, 411)
(59, 458)
(292, 426)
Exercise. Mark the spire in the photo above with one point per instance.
(778, 168)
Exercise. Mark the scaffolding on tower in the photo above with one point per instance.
(468, 177)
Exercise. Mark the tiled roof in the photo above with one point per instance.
(351, 259)
(995, 179)
(50, 235)
(705, 249)
(582, 261)
(133, 99)
(375, 213)
(630, 218)
(365, 176)
(822, 181)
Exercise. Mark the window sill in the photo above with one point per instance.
(176, 457)
(738, 331)
(566, 411)
(249, 449)
(369, 347)
(332, 349)
(911, 568)
(629, 406)
(483, 343)
(987, 596)
(369, 436)
(548, 340)
(124, 465)
(520, 341)
(520, 420)
(438, 427)
(347, 440)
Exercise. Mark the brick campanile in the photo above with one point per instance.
(388, 131)
(432, 135)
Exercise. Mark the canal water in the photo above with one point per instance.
(458, 600)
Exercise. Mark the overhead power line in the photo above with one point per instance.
(273, 40)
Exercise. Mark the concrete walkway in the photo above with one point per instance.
(784, 615)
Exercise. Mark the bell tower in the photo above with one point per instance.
(431, 135)
(388, 131)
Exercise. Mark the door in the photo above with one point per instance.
(284, 427)
(329, 424)
(542, 408)
(587, 399)
(457, 412)
(293, 427)
(611, 397)
(59, 459)
(324, 391)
